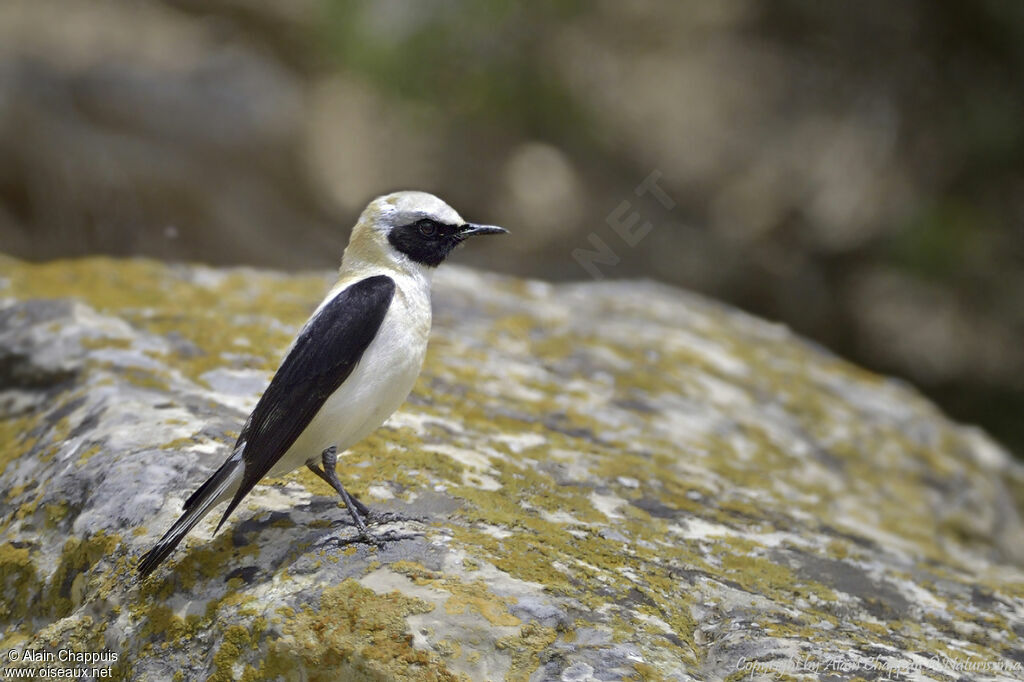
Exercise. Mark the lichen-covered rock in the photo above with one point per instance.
(590, 481)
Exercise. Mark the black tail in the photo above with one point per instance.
(216, 488)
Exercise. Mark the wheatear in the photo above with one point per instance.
(352, 364)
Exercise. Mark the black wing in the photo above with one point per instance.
(325, 353)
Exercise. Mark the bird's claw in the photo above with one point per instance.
(381, 517)
(378, 541)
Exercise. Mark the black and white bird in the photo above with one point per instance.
(352, 364)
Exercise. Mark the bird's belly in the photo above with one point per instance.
(378, 385)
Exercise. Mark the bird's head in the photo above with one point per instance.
(410, 228)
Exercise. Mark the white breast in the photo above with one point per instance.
(377, 386)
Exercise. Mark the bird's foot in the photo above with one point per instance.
(378, 540)
(381, 517)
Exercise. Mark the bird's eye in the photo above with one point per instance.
(428, 228)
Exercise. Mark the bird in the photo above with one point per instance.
(352, 364)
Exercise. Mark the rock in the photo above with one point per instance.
(589, 482)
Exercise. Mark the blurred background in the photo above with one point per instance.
(855, 170)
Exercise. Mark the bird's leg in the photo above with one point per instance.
(363, 509)
(329, 457)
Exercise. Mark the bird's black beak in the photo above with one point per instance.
(470, 229)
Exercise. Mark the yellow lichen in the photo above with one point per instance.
(524, 648)
(18, 580)
(354, 634)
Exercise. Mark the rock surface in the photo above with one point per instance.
(589, 482)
